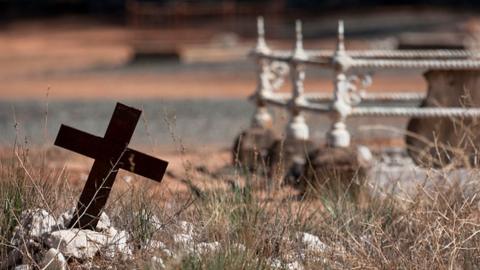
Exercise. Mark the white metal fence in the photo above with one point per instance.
(351, 77)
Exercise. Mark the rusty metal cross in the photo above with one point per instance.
(110, 153)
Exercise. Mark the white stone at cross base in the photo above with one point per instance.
(33, 224)
(84, 244)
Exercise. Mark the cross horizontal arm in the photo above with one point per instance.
(97, 148)
(79, 141)
(143, 164)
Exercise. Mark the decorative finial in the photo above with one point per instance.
(340, 37)
(299, 35)
(298, 52)
(260, 27)
(261, 43)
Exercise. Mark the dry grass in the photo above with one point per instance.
(438, 229)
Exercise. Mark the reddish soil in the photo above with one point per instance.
(37, 59)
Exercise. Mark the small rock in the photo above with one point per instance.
(65, 218)
(275, 263)
(23, 267)
(155, 244)
(278, 264)
(76, 243)
(53, 260)
(182, 239)
(156, 263)
(83, 244)
(103, 222)
(294, 266)
(159, 245)
(202, 248)
(186, 227)
(87, 265)
(117, 244)
(311, 242)
(33, 224)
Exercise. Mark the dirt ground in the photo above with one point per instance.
(71, 61)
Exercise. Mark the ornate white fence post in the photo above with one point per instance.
(338, 135)
(296, 128)
(262, 118)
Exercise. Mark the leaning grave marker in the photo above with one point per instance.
(110, 153)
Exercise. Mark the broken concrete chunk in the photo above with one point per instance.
(80, 244)
(311, 242)
(33, 224)
(116, 244)
(83, 244)
(53, 260)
